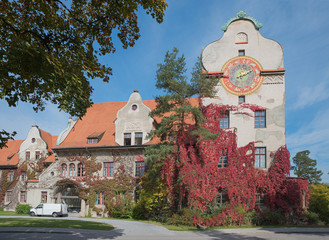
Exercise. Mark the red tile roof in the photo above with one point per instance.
(49, 139)
(50, 159)
(10, 152)
(98, 119)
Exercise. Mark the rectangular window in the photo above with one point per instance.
(127, 139)
(260, 118)
(92, 140)
(23, 197)
(108, 169)
(222, 198)
(24, 176)
(99, 197)
(260, 200)
(260, 157)
(242, 99)
(138, 138)
(222, 163)
(80, 170)
(10, 176)
(140, 169)
(242, 52)
(37, 155)
(224, 120)
(8, 196)
(43, 197)
(27, 156)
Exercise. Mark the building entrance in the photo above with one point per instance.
(70, 196)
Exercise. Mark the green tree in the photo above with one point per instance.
(177, 112)
(305, 167)
(319, 201)
(50, 48)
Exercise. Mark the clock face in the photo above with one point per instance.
(241, 75)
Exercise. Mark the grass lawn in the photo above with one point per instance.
(11, 213)
(192, 228)
(51, 223)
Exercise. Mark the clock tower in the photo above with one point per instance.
(251, 73)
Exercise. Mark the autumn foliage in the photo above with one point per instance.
(204, 181)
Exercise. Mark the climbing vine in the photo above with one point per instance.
(114, 191)
(204, 177)
(6, 184)
(32, 167)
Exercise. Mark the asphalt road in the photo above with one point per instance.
(129, 230)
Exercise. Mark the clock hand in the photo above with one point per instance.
(242, 72)
(245, 73)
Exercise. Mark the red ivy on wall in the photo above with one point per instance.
(203, 180)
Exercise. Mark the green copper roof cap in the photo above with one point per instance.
(242, 15)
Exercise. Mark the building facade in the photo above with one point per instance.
(251, 72)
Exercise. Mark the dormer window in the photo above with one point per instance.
(92, 140)
(134, 107)
(127, 139)
(95, 137)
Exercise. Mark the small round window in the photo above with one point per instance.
(134, 107)
(33, 140)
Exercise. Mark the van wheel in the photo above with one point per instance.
(55, 214)
(32, 214)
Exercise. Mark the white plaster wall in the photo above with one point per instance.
(27, 145)
(270, 95)
(47, 181)
(131, 121)
(266, 51)
(34, 196)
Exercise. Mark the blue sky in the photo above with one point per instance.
(301, 27)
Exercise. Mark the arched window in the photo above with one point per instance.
(72, 170)
(241, 37)
(64, 170)
(80, 170)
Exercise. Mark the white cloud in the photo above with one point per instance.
(313, 136)
(307, 96)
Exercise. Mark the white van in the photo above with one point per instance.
(49, 209)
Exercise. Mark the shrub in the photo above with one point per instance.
(250, 218)
(23, 208)
(119, 208)
(311, 218)
(319, 201)
(89, 213)
(183, 217)
(139, 212)
(269, 218)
